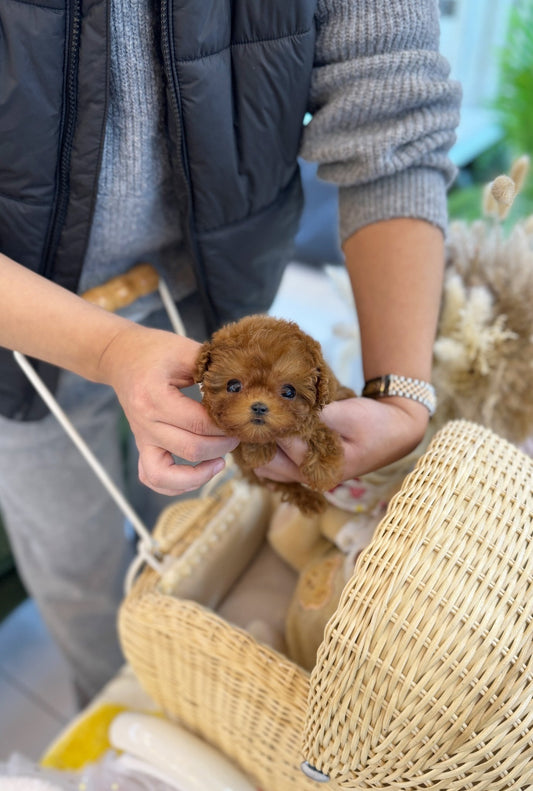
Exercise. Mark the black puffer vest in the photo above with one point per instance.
(237, 76)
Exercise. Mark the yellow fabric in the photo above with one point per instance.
(85, 741)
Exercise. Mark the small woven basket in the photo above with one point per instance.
(424, 676)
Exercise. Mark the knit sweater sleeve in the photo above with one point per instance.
(384, 110)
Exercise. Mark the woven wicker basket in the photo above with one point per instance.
(424, 677)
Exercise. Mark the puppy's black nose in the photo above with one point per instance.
(259, 409)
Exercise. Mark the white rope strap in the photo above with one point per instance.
(151, 548)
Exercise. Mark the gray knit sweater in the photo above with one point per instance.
(383, 119)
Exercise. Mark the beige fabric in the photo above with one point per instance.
(424, 678)
(259, 601)
(231, 523)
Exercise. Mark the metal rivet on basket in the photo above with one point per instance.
(313, 773)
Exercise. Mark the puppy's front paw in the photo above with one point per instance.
(254, 454)
(308, 501)
(322, 465)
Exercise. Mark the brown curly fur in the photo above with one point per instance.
(272, 358)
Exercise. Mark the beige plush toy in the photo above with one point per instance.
(483, 371)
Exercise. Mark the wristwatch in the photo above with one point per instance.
(395, 385)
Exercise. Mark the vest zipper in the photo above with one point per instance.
(169, 63)
(59, 210)
(175, 95)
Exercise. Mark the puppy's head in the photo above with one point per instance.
(262, 378)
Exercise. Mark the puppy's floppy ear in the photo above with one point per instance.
(202, 361)
(323, 389)
(324, 376)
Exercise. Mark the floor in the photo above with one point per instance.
(35, 698)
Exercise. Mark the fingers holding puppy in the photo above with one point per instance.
(286, 464)
(175, 473)
(179, 457)
(159, 471)
(150, 371)
(185, 431)
(373, 434)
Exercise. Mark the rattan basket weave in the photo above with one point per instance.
(424, 677)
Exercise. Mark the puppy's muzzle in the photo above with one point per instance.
(259, 412)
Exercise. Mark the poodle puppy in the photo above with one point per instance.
(262, 379)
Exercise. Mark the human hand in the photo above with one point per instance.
(374, 433)
(148, 368)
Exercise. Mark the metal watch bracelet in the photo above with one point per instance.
(403, 386)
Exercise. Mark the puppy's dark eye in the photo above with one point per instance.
(288, 391)
(234, 386)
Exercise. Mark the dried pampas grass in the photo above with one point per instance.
(483, 355)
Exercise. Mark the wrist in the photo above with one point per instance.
(412, 415)
(133, 349)
(117, 338)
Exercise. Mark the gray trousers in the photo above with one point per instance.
(67, 536)
(70, 541)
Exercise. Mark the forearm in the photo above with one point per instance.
(43, 320)
(396, 269)
(384, 111)
(146, 367)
